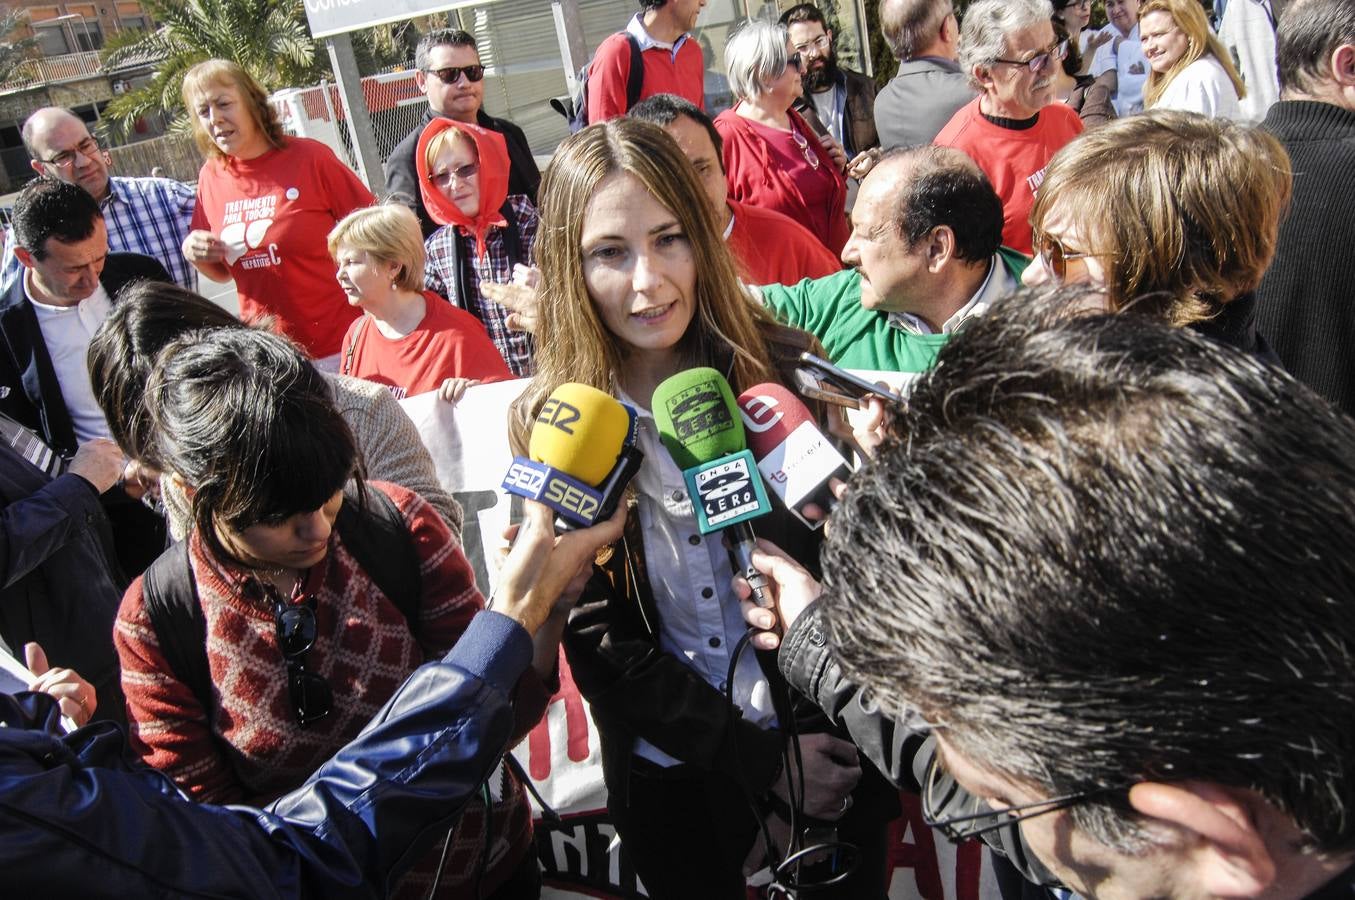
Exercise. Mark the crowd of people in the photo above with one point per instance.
(1087, 593)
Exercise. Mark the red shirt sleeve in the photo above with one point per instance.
(607, 77)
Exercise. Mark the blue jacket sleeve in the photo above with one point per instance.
(36, 527)
(77, 820)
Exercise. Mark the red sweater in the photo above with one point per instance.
(448, 343)
(773, 249)
(758, 176)
(609, 73)
(253, 749)
(1013, 160)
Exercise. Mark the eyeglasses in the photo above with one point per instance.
(819, 43)
(803, 143)
(452, 74)
(460, 173)
(794, 61)
(312, 699)
(1054, 256)
(66, 159)
(1037, 63)
(942, 787)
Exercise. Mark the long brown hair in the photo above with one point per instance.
(572, 342)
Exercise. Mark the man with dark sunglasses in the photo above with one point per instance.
(452, 78)
(76, 819)
(1113, 624)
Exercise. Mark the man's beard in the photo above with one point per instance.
(817, 80)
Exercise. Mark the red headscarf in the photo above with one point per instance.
(493, 153)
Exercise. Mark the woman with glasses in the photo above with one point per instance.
(1191, 69)
(315, 594)
(408, 338)
(773, 158)
(265, 203)
(1075, 16)
(1173, 215)
(1009, 52)
(486, 232)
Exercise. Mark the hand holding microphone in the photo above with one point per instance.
(792, 589)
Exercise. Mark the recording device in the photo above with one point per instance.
(792, 454)
(821, 380)
(698, 421)
(581, 456)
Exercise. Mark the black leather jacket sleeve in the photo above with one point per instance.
(78, 819)
(901, 746)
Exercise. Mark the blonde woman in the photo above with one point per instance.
(1171, 214)
(637, 285)
(409, 339)
(265, 203)
(1191, 69)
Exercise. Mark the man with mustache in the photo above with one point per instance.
(1014, 126)
(841, 98)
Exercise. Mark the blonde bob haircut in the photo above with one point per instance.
(223, 72)
(1183, 211)
(390, 233)
(1189, 17)
(446, 138)
(572, 343)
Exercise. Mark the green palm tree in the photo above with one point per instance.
(269, 38)
(13, 52)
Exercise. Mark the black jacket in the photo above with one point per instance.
(60, 584)
(402, 177)
(29, 392)
(858, 116)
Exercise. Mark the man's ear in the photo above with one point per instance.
(25, 256)
(1229, 856)
(983, 76)
(1342, 66)
(420, 79)
(940, 248)
(36, 166)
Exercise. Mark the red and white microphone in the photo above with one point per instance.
(794, 457)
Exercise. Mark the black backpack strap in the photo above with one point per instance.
(379, 540)
(512, 238)
(170, 595)
(635, 81)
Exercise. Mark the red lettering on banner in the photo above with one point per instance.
(576, 727)
(921, 857)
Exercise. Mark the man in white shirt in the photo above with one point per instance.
(1123, 54)
(47, 317)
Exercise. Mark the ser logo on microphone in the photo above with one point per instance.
(569, 498)
(558, 414)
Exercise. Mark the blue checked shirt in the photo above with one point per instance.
(440, 276)
(149, 216)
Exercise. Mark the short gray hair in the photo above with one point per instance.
(910, 26)
(983, 36)
(754, 55)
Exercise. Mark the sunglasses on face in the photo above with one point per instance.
(1039, 61)
(1054, 256)
(795, 62)
(312, 699)
(452, 74)
(460, 173)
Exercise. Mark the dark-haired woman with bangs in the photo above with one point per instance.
(303, 643)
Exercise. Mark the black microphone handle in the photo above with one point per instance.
(741, 544)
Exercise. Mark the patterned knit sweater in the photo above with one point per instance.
(253, 750)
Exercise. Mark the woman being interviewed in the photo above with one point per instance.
(265, 203)
(637, 285)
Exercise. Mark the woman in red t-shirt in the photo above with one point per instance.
(265, 202)
(409, 339)
(773, 159)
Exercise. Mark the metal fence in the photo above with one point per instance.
(175, 154)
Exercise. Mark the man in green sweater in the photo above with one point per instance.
(925, 256)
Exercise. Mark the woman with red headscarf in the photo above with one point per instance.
(463, 176)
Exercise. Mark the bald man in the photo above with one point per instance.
(148, 216)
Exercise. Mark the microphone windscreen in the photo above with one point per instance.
(770, 414)
(697, 417)
(580, 431)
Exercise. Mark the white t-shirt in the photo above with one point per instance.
(1131, 69)
(1202, 87)
(67, 330)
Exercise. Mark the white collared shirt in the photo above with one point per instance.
(997, 283)
(67, 330)
(636, 28)
(689, 575)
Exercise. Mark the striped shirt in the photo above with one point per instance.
(149, 216)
